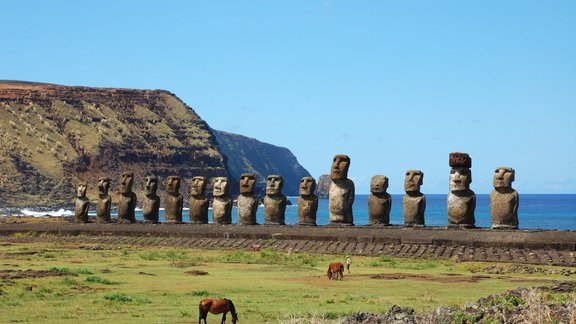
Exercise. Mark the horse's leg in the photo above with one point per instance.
(203, 314)
(223, 318)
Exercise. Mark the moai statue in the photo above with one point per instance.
(173, 201)
(274, 201)
(307, 202)
(151, 201)
(341, 192)
(414, 201)
(128, 199)
(379, 201)
(222, 202)
(81, 204)
(504, 200)
(247, 201)
(198, 201)
(104, 201)
(461, 200)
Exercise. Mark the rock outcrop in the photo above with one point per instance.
(248, 155)
(53, 137)
(324, 186)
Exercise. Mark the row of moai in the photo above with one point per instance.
(461, 200)
(274, 201)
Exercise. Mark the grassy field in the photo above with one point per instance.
(123, 284)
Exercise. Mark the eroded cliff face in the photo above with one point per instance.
(53, 137)
(248, 155)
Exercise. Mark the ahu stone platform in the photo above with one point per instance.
(519, 246)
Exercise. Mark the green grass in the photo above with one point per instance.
(126, 284)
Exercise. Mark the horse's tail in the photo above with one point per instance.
(232, 309)
(329, 273)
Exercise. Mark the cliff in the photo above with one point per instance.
(52, 137)
(323, 186)
(248, 155)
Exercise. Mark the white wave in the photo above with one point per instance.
(59, 213)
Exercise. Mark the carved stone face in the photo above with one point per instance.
(247, 183)
(81, 190)
(126, 182)
(340, 166)
(198, 186)
(503, 177)
(220, 186)
(379, 184)
(274, 184)
(307, 186)
(413, 180)
(173, 184)
(460, 179)
(151, 185)
(103, 185)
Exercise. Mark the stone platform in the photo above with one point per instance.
(520, 246)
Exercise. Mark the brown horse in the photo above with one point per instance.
(217, 306)
(336, 271)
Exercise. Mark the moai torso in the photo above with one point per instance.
(274, 201)
(461, 200)
(104, 203)
(379, 201)
(222, 202)
(307, 202)
(128, 200)
(414, 201)
(81, 204)
(504, 200)
(341, 192)
(151, 206)
(247, 201)
(174, 201)
(198, 204)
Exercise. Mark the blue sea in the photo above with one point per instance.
(536, 211)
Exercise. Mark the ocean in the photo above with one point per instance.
(536, 211)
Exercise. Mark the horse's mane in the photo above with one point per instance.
(232, 308)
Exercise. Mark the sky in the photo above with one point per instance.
(395, 85)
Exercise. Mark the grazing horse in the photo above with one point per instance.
(217, 306)
(336, 271)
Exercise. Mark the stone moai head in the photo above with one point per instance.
(307, 186)
(247, 183)
(340, 165)
(379, 184)
(81, 190)
(503, 177)
(103, 185)
(274, 184)
(460, 179)
(173, 185)
(151, 185)
(126, 182)
(413, 180)
(198, 186)
(220, 187)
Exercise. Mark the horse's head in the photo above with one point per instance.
(234, 317)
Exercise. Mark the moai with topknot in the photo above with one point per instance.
(461, 200)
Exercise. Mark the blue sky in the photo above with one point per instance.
(396, 85)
